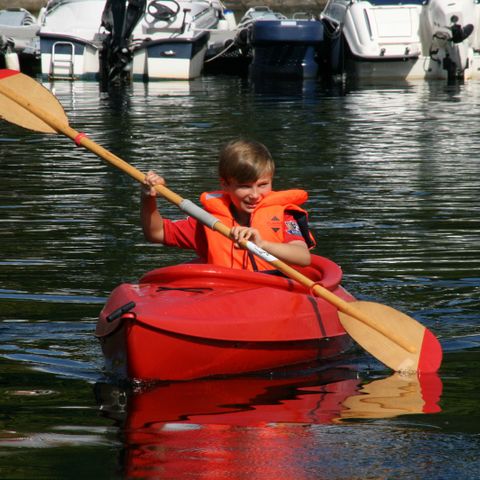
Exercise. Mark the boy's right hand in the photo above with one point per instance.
(148, 185)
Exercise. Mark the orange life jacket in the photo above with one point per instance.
(268, 218)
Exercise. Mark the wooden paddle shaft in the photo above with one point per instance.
(62, 126)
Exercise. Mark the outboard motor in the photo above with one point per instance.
(451, 24)
(459, 33)
(119, 20)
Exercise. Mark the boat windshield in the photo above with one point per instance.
(15, 18)
(53, 4)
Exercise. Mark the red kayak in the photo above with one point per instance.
(197, 320)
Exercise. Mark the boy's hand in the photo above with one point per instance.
(240, 234)
(148, 185)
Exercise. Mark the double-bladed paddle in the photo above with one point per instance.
(395, 339)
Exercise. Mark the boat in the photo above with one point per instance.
(146, 40)
(197, 320)
(18, 39)
(281, 47)
(71, 38)
(407, 40)
(172, 39)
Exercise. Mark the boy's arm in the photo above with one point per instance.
(152, 221)
(295, 252)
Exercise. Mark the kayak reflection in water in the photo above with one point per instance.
(216, 426)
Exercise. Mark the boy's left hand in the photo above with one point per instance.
(240, 234)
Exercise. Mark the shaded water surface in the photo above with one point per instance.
(393, 176)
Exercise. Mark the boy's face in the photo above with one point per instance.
(246, 196)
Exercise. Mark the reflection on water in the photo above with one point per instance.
(334, 395)
(396, 395)
(233, 419)
(393, 176)
(50, 440)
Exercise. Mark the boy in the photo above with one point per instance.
(247, 204)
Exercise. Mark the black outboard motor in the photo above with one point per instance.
(459, 33)
(120, 20)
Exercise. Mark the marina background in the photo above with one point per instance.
(238, 6)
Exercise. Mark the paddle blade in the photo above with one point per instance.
(427, 355)
(13, 85)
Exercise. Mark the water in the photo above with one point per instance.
(393, 176)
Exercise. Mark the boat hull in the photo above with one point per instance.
(141, 353)
(64, 57)
(192, 321)
(286, 48)
(170, 59)
(71, 39)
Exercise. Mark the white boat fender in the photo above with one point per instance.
(12, 61)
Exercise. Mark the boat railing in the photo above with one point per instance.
(60, 64)
(259, 13)
(303, 16)
(51, 6)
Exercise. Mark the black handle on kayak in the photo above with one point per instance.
(120, 311)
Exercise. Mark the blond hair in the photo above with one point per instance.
(245, 161)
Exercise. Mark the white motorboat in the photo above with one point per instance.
(142, 39)
(18, 38)
(412, 39)
(71, 38)
(172, 38)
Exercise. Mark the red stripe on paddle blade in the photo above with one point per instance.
(431, 354)
(4, 73)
